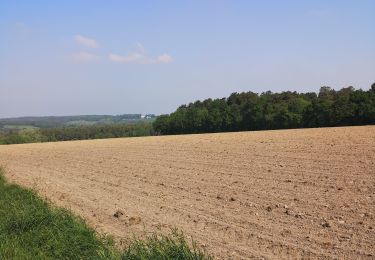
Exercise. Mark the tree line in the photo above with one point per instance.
(251, 111)
(34, 135)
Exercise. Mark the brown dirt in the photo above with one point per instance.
(271, 194)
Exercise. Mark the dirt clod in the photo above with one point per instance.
(325, 224)
(134, 220)
(118, 214)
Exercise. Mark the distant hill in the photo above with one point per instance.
(78, 120)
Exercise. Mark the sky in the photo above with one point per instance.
(118, 57)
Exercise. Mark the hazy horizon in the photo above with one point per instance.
(72, 115)
(111, 58)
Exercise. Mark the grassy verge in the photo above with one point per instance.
(32, 229)
(160, 247)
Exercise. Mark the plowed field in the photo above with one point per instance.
(269, 194)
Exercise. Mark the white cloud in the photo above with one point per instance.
(87, 42)
(140, 57)
(165, 58)
(82, 57)
(131, 57)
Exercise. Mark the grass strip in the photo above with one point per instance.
(163, 247)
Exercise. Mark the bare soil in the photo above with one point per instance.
(306, 193)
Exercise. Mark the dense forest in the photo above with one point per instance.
(251, 111)
(33, 135)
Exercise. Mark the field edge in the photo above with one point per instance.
(31, 227)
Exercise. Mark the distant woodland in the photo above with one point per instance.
(65, 128)
(66, 121)
(34, 135)
(251, 111)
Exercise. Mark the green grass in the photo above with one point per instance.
(163, 247)
(32, 229)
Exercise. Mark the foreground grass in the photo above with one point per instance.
(32, 229)
(161, 247)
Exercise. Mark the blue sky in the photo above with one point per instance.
(115, 57)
